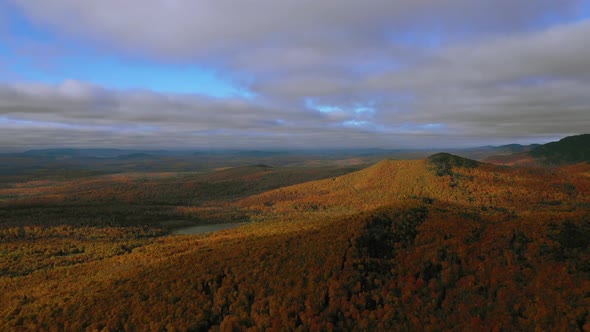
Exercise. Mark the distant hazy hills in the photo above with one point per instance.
(570, 150)
(95, 153)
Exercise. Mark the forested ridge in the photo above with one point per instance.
(572, 149)
(435, 244)
(567, 151)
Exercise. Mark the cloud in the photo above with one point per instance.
(432, 72)
(557, 52)
(533, 83)
(185, 28)
(78, 113)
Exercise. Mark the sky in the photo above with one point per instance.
(267, 74)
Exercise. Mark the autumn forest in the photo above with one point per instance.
(381, 242)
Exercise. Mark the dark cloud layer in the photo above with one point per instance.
(322, 74)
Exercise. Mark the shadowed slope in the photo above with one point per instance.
(444, 163)
(401, 267)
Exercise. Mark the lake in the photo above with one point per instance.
(204, 228)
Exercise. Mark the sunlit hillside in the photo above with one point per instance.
(484, 186)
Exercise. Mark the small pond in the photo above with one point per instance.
(204, 228)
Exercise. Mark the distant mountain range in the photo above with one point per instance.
(477, 153)
(569, 150)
